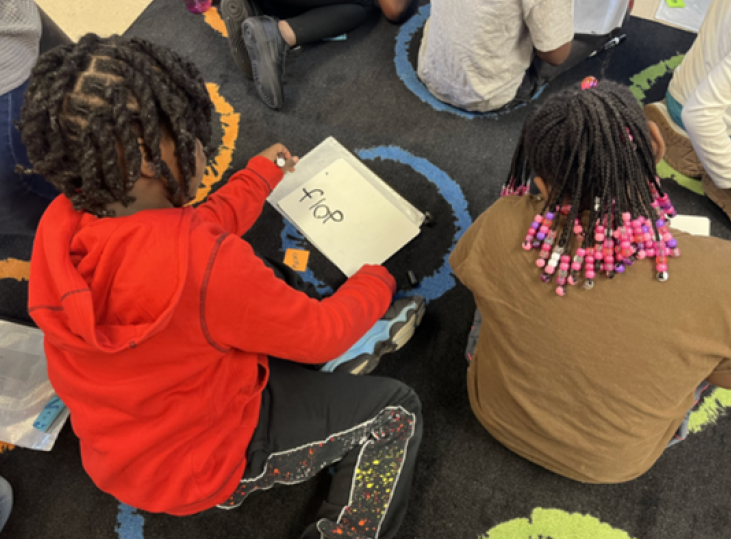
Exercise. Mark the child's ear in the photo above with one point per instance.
(541, 185)
(658, 143)
(147, 169)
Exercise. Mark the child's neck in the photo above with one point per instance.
(149, 194)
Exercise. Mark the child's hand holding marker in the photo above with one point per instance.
(281, 156)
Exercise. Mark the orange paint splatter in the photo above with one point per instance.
(12, 268)
(218, 164)
(214, 20)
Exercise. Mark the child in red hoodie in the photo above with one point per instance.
(159, 319)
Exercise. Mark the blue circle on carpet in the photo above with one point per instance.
(441, 281)
(407, 73)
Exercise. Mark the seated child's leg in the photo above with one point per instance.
(679, 152)
(368, 428)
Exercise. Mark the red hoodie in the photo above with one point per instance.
(157, 330)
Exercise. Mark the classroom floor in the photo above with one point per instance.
(363, 92)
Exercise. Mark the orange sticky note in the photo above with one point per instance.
(296, 259)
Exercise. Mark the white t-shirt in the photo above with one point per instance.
(474, 53)
(702, 84)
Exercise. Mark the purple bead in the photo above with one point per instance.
(550, 216)
(645, 229)
(541, 236)
(673, 243)
(660, 223)
(545, 277)
(619, 268)
(535, 225)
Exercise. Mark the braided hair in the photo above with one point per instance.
(94, 108)
(592, 146)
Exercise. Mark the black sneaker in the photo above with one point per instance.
(267, 50)
(388, 334)
(234, 13)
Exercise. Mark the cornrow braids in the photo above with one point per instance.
(95, 110)
(592, 146)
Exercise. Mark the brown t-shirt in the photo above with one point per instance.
(592, 385)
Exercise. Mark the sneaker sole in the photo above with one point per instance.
(392, 337)
(680, 153)
(234, 13)
(252, 35)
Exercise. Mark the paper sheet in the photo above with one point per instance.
(698, 226)
(347, 219)
(24, 388)
(689, 17)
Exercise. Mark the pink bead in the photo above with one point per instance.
(641, 255)
(531, 232)
(578, 230)
(560, 291)
(526, 245)
(572, 280)
(563, 266)
(580, 251)
(589, 260)
(651, 252)
(538, 218)
(590, 274)
(661, 267)
(545, 247)
(599, 237)
(540, 263)
(543, 229)
(667, 236)
(550, 269)
(576, 266)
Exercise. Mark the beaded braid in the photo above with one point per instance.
(592, 146)
(92, 109)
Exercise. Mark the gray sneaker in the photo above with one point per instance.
(267, 50)
(388, 334)
(234, 13)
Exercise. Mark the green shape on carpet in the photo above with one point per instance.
(555, 524)
(667, 172)
(647, 77)
(710, 410)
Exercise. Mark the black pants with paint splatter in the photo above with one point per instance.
(367, 428)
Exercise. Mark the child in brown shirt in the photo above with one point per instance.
(593, 385)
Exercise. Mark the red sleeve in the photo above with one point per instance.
(247, 307)
(237, 205)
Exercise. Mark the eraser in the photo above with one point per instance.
(49, 414)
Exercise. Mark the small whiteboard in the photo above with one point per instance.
(347, 218)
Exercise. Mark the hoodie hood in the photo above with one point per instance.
(107, 284)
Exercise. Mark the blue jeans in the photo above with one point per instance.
(23, 198)
(6, 501)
